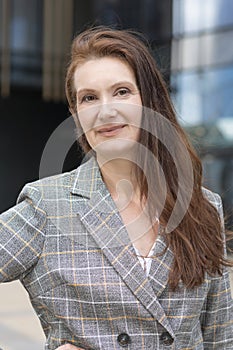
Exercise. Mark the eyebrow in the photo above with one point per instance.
(119, 83)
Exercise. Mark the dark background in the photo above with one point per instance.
(27, 120)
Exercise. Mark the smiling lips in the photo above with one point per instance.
(111, 130)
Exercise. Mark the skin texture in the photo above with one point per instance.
(106, 101)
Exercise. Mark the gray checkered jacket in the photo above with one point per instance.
(67, 244)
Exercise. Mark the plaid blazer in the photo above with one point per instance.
(66, 242)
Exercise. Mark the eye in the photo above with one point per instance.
(122, 92)
(88, 98)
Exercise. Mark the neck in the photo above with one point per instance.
(118, 177)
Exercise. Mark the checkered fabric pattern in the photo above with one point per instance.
(66, 242)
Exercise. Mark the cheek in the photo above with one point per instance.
(133, 114)
(85, 119)
(86, 122)
(83, 125)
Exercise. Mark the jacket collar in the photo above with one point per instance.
(88, 179)
(89, 185)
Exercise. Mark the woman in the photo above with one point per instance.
(127, 250)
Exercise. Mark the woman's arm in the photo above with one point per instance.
(217, 313)
(21, 235)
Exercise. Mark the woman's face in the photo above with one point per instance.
(109, 105)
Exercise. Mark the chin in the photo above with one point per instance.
(115, 149)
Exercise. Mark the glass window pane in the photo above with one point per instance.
(187, 97)
(26, 42)
(201, 51)
(204, 96)
(192, 16)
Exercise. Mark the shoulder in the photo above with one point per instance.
(212, 197)
(46, 187)
(58, 188)
(215, 200)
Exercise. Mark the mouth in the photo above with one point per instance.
(111, 130)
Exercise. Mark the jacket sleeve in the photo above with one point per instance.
(21, 234)
(217, 314)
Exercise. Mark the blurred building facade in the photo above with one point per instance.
(35, 39)
(191, 41)
(202, 85)
(36, 35)
(202, 59)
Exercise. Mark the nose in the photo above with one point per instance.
(107, 111)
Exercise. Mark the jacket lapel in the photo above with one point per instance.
(160, 266)
(98, 213)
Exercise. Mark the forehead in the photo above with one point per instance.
(104, 67)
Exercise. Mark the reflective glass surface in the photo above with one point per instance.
(197, 15)
(26, 42)
(205, 95)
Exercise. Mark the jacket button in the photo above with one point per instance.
(123, 339)
(166, 338)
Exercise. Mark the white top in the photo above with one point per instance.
(145, 261)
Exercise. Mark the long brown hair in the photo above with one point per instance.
(196, 241)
